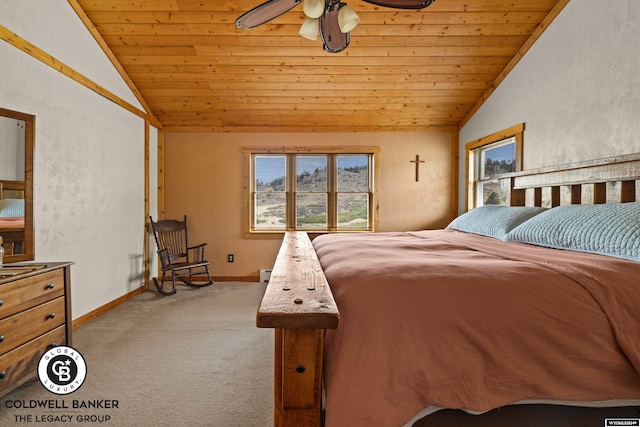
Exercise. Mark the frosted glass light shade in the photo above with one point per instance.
(309, 29)
(347, 18)
(313, 8)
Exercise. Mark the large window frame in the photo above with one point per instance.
(475, 178)
(291, 195)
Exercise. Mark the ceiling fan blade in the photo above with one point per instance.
(333, 39)
(265, 12)
(402, 4)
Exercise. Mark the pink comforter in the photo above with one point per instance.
(11, 223)
(457, 320)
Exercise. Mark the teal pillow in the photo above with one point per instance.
(606, 229)
(11, 208)
(494, 221)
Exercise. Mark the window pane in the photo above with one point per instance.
(311, 173)
(270, 173)
(497, 160)
(270, 211)
(353, 211)
(490, 191)
(353, 173)
(311, 210)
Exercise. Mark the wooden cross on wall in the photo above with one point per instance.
(417, 161)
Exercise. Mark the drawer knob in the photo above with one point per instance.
(50, 286)
(1, 302)
(51, 316)
(3, 374)
(1, 338)
(50, 346)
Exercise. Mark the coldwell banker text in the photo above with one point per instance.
(60, 404)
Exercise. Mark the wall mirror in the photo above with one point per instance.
(17, 138)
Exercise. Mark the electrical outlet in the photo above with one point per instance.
(230, 257)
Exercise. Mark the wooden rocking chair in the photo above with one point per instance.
(176, 256)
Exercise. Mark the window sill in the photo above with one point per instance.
(312, 233)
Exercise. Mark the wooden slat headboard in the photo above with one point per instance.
(11, 189)
(610, 180)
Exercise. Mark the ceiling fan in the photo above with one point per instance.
(332, 18)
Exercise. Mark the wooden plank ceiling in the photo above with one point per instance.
(403, 71)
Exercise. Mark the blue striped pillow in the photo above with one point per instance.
(494, 221)
(11, 208)
(607, 229)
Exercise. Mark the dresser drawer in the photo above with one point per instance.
(29, 292)
(22, 362)
(27, 325)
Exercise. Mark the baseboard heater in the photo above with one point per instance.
(265, 275)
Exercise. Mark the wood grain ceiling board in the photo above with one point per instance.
(403, 70)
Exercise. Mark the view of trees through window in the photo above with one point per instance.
(488, 158)
(348, 200)
(270, 192)
(495, 160)
(311, 192)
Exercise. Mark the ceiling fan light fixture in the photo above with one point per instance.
(309, 29)
(313, 8)
(348, 19)
(333, 39)
(332, 19)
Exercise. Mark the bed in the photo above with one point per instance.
(12, 223)
(525, 314)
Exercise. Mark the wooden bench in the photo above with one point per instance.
(299, 306)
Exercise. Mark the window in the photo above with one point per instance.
(489, 157)
(311, 190)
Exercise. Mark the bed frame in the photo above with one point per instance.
(299, 306)
(13, 239)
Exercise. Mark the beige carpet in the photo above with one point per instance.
(192, 359)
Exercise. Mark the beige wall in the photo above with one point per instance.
(89, 181)
(204, 179)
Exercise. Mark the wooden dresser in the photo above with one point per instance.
(35, 314)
